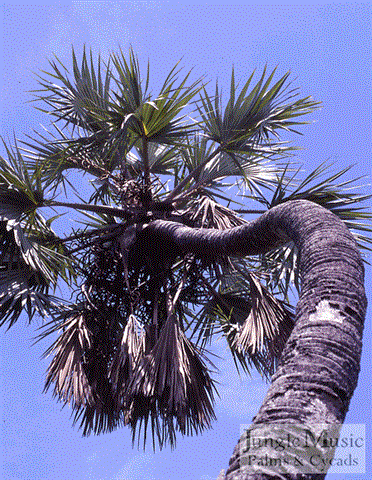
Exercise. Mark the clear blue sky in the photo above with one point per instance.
(327, 49)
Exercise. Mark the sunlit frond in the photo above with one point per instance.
(207, 213)
(81, 101)
(251, 119)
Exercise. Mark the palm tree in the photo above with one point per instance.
(163, 259)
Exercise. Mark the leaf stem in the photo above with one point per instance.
(117, 212)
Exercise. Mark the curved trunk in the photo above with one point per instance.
(319, 367)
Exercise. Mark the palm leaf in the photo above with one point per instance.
(21, 290)
(171, 387)
(124, 362)
(20, 192)
(66, 370)
(268, 324)
(79, 369)
(205, 212)
(251, 118)
(83, 101)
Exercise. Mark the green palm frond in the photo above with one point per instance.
(250, 119)
(31, 258)
(38, 257)
(54, 153)
(163, 160)
(20, 191)
(161, 121)
(207, 166)
(21, 289)
(132, 90)
(82, 101)
(255, 172)
(31, 234)
(154, 118)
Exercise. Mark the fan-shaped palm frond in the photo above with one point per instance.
(171, 387)
(251, 118)
(207, 166)
(66, 370)
(162, 159)
(81, 102)
(20, 192)
(54, 153)
(255, 324)
(207, 213)
(79, 368)
(21, 289)
(125, 360)
(31, 258)
(268, 324)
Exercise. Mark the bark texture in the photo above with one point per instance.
(320, 363)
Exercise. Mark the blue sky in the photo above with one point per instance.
(327, 49)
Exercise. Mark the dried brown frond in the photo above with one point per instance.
(66, 370)
(266, 328)
(171, 387)
(123, 364)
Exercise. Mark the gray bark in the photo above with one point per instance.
(319, 368)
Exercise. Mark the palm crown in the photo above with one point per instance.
(131, 344)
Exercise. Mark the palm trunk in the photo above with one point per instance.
(320, 363)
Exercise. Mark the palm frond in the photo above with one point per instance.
(20, 192)
(282, 266)
(163, 160)
(21, 289)
(255, 324)
(66, 370)
(171, 388)
(207, 213)
(54, 153)
(160, 117)
(132, 91)
(79, 368)
(82, 101)
(267, 326)
(125, 360)
(250, 119)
